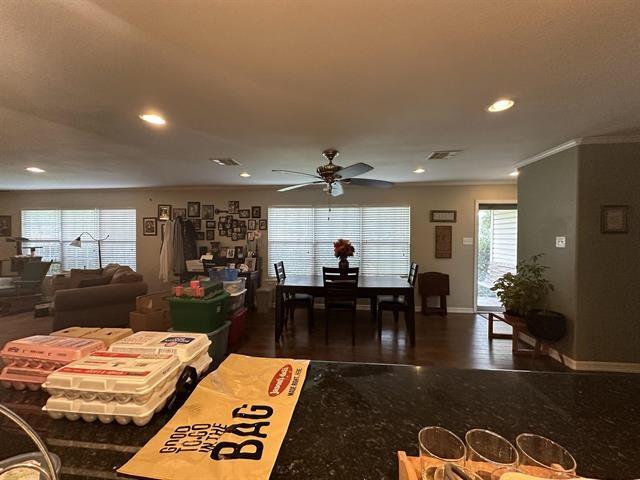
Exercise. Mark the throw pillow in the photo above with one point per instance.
(126, 275)
(79, 274)
(94, 282)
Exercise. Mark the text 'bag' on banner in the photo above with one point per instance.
(232, 425)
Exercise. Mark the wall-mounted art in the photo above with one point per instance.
(211, 224)
(149, 226)
(208, 212)
(245, 213)
(256, 212)
(443, 216)
(234, 206)
(614, 218)
(444, 234)
(5, 225)
(179, 212)
(263, 224)
(193, 209)
(211, 235)
(199, 236)
(252, 224)
(197, 223)
(164, 212)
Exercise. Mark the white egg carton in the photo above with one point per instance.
(107, 412)
(111, 376)
(187, 346)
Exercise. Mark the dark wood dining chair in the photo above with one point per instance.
(294, 300)
(340, 294)
(395, 303)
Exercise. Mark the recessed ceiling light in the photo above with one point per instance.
(34, 170)
(153, 118)
(501, 105)
(515, 173)
(419, 170)
(245, 174)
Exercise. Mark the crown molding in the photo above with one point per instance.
(601, 140)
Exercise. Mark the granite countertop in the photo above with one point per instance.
(352, 418)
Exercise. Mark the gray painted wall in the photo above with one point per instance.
(608, 264)
(547, 205)
(597, 276)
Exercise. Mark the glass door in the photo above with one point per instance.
(497, 245)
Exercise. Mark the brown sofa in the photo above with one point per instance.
(96, 298)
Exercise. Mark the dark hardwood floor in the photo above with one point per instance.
(456, 341)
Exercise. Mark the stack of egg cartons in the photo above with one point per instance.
(29, 361)
(192, 349)
(112, 386)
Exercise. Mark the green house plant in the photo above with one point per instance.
(520, 292)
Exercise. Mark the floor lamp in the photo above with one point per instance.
(78, 243)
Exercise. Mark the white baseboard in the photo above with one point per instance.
(586, 365)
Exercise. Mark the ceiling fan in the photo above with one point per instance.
(335, 176)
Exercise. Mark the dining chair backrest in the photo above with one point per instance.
(279, 268)
(413, 273)
(340, 285)
(35, 271)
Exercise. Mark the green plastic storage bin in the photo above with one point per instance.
(219, 340)
(198, 315)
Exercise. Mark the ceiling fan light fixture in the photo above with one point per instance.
(34, 170)
(419, 170)
(515, 173)
(245, 174)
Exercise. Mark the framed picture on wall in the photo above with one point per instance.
(5, 225)
(211, 224)
(251, 263)
(256, 212)
(448, 216)
(245, 213)
(193, 209)
(211, 235)
(149, 226)
(199, 236)
(252, 224)
(239, 252)
(197, 223)
(231, 252)
(614, 219)
(179, 212)
(263, 224)
(208, 212)
(164, 212)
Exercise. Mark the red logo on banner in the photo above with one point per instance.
(280, 381)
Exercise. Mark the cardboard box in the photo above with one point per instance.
(75, 332)
(157, 321)
(109, 335)
(152, 302)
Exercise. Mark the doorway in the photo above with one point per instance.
(496, 249)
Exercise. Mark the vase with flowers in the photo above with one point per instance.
(343, 249)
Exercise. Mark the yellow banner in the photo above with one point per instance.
(232, 425)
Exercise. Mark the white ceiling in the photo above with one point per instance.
(272, 83)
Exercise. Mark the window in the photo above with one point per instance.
(51, 231)
(303, 238)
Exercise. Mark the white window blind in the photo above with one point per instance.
(302, 237)
(51, 231)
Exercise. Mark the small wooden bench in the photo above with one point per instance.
(519, 326)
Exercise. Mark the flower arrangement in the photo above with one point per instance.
(342, 249)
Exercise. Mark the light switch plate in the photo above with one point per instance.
(467, 240)
(561, 242)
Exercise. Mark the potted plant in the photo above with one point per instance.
(343, 249)
(522, 291)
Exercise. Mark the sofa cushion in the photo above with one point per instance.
(126, 275)
(94, 282)
(110, 270)
(79, 274)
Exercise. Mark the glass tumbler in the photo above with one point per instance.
(487, 451)
(544, 458)
(437, 446)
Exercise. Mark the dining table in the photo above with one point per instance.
(368, 287)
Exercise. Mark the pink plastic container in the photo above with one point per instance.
(47, 352)
(21, 378)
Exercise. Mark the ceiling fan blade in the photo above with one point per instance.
(293, 187)
(367, 182)
(336, 189)
(296, 173)
(354, 170)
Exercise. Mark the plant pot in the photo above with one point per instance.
(513, 317)
(547, 325)
(343, 263)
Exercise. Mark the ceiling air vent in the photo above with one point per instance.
(225, 162)
(443, 154)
